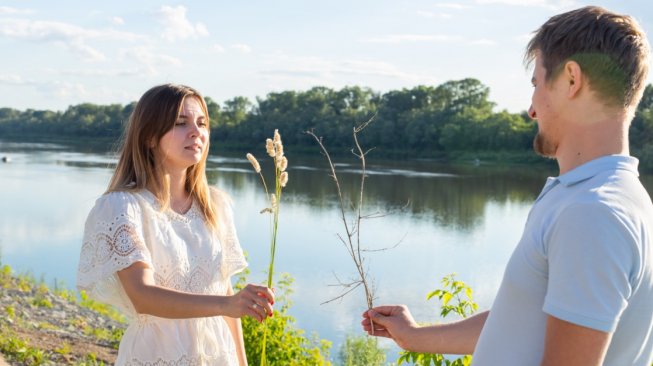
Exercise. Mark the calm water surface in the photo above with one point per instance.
(463, 219)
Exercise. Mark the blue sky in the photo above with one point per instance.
(58, 53)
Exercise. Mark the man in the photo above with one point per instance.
(578, 289)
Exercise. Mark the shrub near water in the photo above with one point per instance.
(286, 344)
(455, 297)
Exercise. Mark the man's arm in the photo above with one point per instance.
(570, 344)
(397, 323)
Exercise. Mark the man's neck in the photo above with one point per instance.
(588, 141)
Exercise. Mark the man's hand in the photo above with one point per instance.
(391, 321)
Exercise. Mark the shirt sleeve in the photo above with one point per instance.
(591, 257)
(233, 259)
(113, 240)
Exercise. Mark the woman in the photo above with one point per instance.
(161, 244)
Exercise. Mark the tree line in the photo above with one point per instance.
(450, 120)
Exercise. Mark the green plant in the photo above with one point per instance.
(10, 311)
(61, 291)
(90, 360)
(274, 148)
(455, 296)
(5, 276)
(101, 308)
(64, 349)
(361, 350)
(111, 335)
(18, 349)
(286, 344)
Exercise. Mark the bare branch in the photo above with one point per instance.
(352, 239)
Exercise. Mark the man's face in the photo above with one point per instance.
(543, 110)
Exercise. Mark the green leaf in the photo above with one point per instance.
(434, 293)
(446, 297)
(468, 292)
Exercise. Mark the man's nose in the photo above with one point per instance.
(531, 112)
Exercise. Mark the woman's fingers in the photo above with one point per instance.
(260, 300)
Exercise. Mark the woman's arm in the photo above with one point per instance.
(237, 332)
(149, 298)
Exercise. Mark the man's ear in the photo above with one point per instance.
(574, 77)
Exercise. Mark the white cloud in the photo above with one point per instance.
(71, 36)
(6, 10)
(117, 20)
(452, 6)
(177, 26)
(483, 42)
(64, 90)
(149, 59)
(102, 72)
(11, 79)
(320, 71)
(412, 38)
(551, 4)
(53, 89)
(241, 48)
(432, 15)
(218, 48)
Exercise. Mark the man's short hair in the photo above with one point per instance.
(610, 48)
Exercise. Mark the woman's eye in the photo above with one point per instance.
(180, 123)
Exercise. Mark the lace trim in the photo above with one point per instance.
(187, 361)
(193, 212)
(197, 277)
(111, 241)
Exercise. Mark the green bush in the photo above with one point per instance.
(463, 305)
(286, 344)
(361, 350)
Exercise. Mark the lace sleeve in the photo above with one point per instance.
(113, 240)
(233, 260)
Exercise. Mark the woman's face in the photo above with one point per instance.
(184, 145)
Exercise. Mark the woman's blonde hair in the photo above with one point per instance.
(154, 115)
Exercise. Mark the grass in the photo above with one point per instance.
(17, 348)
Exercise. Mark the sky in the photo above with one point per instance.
(54, 54)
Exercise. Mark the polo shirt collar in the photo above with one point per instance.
(596, 166)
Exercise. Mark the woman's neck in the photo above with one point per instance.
(180, 200)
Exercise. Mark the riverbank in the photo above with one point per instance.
(42, 326)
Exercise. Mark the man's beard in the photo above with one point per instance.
(544, 146)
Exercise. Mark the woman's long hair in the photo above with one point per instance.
(154, 115)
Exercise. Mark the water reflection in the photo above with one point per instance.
(453, 196)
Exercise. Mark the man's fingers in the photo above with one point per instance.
(379, 333)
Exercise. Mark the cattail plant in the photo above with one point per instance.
(274, 148)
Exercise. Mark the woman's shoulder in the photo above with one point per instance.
(220, 197)
(117, 202)
(117, 198)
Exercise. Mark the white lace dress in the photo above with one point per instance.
(124, 228)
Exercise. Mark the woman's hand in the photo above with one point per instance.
(255, 301)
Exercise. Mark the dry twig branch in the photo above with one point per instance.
(352, 239)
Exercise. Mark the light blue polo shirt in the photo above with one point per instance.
(586, 257)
